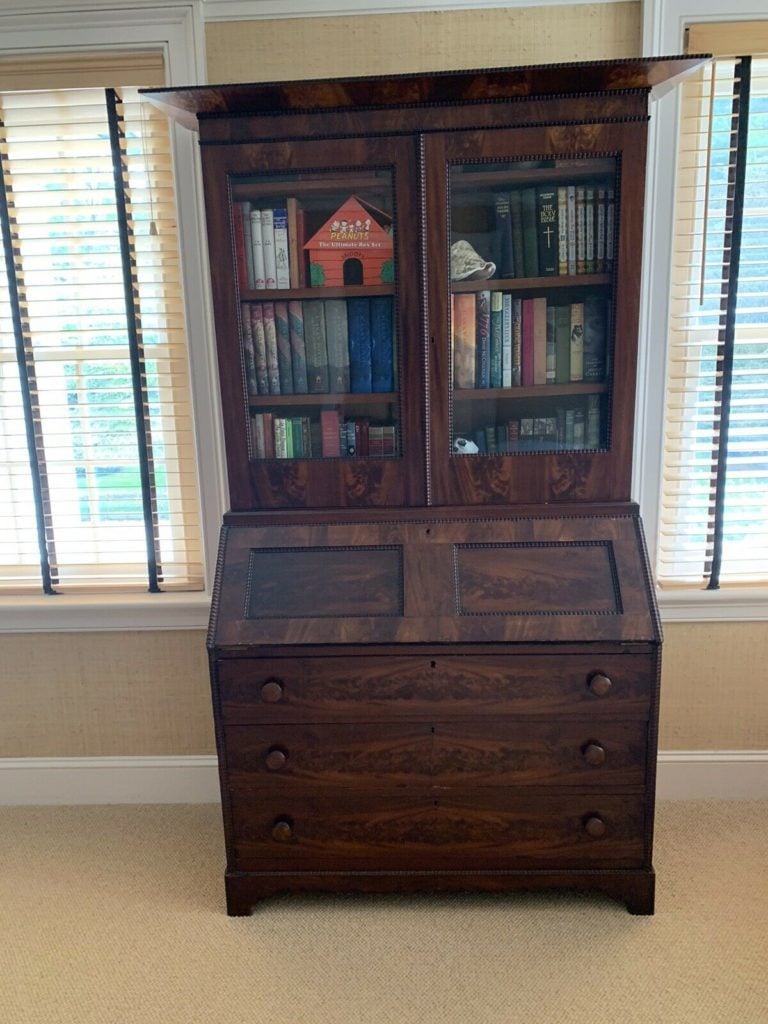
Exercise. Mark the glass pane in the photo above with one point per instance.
(532, 259)
(316, 272)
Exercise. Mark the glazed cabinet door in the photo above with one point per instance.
(535, 237)
(313, 248)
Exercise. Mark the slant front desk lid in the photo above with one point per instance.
(516, 579)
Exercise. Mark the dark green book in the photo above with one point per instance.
(315, 347)
(530, 233)
(562, 344)
(516, 215)
(546, 201)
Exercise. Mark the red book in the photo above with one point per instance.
(526, 347)
(330, 436)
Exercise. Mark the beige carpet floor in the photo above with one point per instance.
(115, 915)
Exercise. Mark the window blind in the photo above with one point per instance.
(97, 466)
(714, 517)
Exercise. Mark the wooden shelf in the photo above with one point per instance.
(534, 391)
(255, 190)
(526, 284)
(288, 294)
(366, 398)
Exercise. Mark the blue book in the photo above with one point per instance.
(382, 344)
(359, 330)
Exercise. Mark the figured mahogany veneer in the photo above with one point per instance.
(431, 670)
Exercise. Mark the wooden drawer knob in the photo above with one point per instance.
(272, 691)
(599, 684)
(594, 754)
(594, 826)
(282, 830)
(276, 759)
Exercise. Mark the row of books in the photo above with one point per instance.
(329, 436)
(501, 341)
(319, 346)
(554, 230)
(267, 256)
(575, 427)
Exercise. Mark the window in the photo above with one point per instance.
(714, 518)
(97, 462)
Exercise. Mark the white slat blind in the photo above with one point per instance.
(96, 410)
(701, 544)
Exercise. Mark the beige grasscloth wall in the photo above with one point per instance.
(123, 693)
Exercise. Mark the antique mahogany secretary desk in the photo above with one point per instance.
(434, 646)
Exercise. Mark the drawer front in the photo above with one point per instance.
(316, 828)
(488, 752)
(426, 688)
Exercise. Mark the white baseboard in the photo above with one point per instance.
(109, 780)
(682, 775)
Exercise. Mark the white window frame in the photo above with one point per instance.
(178, 30)
(664, 23)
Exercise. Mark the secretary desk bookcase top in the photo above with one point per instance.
(434, 646)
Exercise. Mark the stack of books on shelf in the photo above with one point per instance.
(330, 435)
(269, 245)
(500, 341)
(553, 230)
(575, 425)
(319, 346)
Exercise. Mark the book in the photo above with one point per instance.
(246, 216)
(257, 250)
(562, 344)
(298, 348)
(497, 331)
(254, 311)
(294, 252)
(238, 231)
(581, 231)
(283, 339)
(577, 342)
(464, 323)
(249, 354)
(526, 347)
(382, 344)
(517, 341)
(530, 233)
(330, 428)
(548, 239)
(516, 216)
(506, 340)
(539, 340)
(257, 435)
(360, 351)
(282, 267)
(268, 248)
(270, 337)
(592, 422)
(550, 365)
(595, 337)
(337, 344)
(589, 218)
(610, 227)
(570, 192)
(483, 339)
(315, 347)
(503, 251)
(562, 230)
(600, 232)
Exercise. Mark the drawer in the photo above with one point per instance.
(488, 752)
(427, 688)
(324, 829)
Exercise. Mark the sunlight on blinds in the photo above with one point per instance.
(702, 276)
(67, 265)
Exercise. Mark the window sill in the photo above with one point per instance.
(744, 605)
(86, 613)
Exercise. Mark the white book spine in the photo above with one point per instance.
(571, 204)
(257, 250)
(268, 248)
(506, 341)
